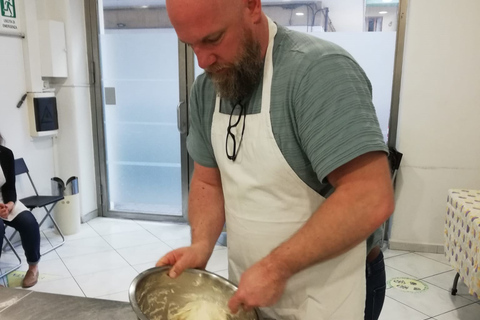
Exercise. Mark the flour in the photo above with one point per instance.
(200, 310)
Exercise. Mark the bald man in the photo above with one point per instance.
(277, 118)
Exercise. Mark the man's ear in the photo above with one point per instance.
(255, 9)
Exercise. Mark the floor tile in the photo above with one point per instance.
(417, 265)
(470, 312)
(392, 273)
(95, 262)
(223, 273)
(8, 258)
(144, 266)
(394, 310)
(165, 231)
(104, 226)
(51, 269)
(85, 231)
(44, 246)
(144, 253)
(80, 247)
(440, 257)
(67, 286)
(178, 243)
(445, 281)
(119, 296)
(106, 282)
(130, 239)
(393, 253)
(432, 302)
(218, 260)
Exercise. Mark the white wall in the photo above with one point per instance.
(14, 123)
(74, 143)
(439, 117)
(71, 152)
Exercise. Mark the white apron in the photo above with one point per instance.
(19, 207)
(265, 204)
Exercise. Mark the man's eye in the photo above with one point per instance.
(213, 40)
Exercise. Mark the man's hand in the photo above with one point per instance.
(195, 256)
(4, 211)
(261, 285)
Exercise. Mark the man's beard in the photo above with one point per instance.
(238, 79)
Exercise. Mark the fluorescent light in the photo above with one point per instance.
(383, 12)
(144, 7)
(299, 13)
(387, 0)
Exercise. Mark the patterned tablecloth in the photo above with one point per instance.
(462, 236)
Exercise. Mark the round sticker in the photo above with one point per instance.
(408, 285)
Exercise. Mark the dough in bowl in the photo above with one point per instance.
(201, 310)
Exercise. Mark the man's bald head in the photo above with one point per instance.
(229, 38)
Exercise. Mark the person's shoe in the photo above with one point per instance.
(30, 279)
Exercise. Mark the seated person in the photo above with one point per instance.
(14, 214)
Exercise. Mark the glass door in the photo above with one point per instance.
(145, 169)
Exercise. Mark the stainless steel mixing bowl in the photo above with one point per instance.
(154, 295)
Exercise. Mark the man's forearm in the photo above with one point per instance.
(351, 214)
(206, 212)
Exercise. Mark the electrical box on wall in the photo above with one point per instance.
(42, 113)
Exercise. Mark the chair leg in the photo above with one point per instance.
(18, 257)
(56, 226)
(455, 282)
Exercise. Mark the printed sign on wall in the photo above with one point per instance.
(9, 15)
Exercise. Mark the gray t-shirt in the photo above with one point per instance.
(321, 110)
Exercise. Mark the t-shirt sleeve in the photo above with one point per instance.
(199, 142)
(336, 119)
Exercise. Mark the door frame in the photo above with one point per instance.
(186, 79)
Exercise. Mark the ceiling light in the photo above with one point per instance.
(383, 12)
(387, 0)
(144, 7)
(299, 13)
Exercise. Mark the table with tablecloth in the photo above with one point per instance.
(462, 236)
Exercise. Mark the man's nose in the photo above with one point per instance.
(205, 58)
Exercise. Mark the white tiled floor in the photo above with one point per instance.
(102, 259)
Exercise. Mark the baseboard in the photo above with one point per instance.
(417, 247)
(89, 216)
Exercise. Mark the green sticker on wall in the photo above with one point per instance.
(408, 285)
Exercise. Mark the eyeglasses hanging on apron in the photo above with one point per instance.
(231, 147)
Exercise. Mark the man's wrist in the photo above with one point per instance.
(275, 263)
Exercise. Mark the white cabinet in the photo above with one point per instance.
(53, 48)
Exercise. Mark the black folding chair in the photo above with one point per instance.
(3, 274)
(38, 201)
(394, 160)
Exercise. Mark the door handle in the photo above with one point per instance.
(182, 117)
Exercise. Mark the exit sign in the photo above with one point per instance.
(8, 8)
(9, 15)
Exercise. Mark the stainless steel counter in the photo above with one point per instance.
(16, 304)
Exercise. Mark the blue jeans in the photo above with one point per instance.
(27, 226)
(376, 285)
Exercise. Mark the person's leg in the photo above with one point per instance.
(376, 285)
(2, 233)
(27, 226)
